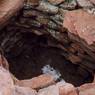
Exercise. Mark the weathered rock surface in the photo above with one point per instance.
(79, 24)
(6, 82)
(37, 82)
(87, 89)
(81, 29)
(59, 88)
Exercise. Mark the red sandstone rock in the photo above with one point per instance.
(24, 91)
(55, 2)
(81, 27)
(94, 79)
(81, 24)
(60, 88)
(8, 8)
(67, 89)
(6, 83)
(37, 82)
(87, 89)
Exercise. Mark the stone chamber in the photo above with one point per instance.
(39, 39)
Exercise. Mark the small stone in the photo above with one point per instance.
(56, 2)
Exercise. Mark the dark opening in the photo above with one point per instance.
(27, 53)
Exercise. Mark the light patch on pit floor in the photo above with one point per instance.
(47, 69)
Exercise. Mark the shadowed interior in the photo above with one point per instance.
(27, 53)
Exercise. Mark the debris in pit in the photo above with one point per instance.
(47, 69)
